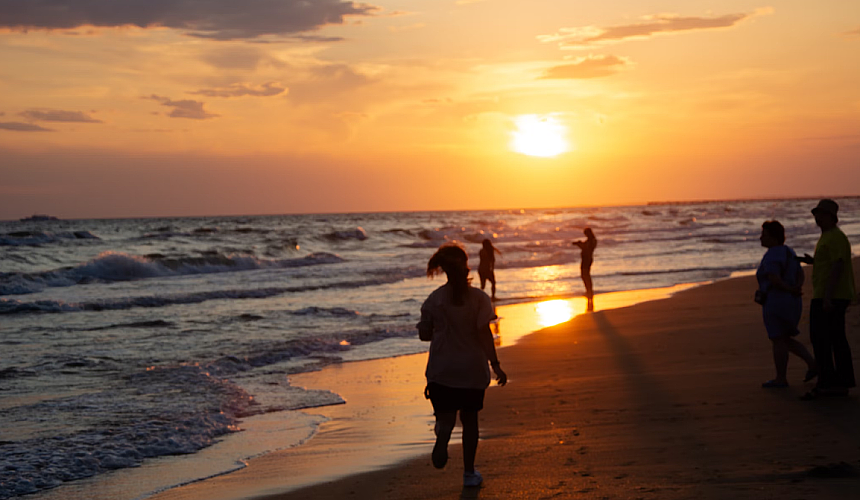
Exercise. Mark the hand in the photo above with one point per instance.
(806, 259)
(501, 376)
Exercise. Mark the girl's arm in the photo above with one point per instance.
(425, 326)
(489, 347)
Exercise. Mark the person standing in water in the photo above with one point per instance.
(587, 248)
(487, 265)
(455, 319)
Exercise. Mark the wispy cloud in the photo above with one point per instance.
(410, 27)
(240, 90)
(22, 127)
(216, 19)
(185, 108)
(245, 56)
(660, 24)
(325, 82)
(593, 66)
(58, 115)
(855, 33)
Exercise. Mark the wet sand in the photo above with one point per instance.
(660, 400)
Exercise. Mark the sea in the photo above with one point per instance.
(126, 340)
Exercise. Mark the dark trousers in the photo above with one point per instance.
(832, 352)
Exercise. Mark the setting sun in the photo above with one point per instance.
(536, 135)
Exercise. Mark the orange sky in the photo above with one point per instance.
(144, 108)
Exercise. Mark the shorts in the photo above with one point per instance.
(450, 399)
(781, 316)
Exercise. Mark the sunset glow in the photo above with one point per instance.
(282, 107)
(539, 136)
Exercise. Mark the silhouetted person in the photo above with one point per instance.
(455, 318)
(780, 279)
(487, 266)
(832, 292)
(587, 248)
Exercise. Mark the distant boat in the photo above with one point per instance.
(39, 217)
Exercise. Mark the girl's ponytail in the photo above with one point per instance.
(451, 258)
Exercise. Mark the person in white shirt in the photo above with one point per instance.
(455, 319)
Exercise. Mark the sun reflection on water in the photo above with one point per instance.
(553, 312)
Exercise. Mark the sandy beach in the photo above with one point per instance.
(657, 400)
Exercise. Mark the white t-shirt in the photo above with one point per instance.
(456, 357)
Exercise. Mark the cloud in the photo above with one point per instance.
(587, 67)
(660, 24)
(240, 90)
(57, 115)
(22, 127)
(216, 19)
(855, 33)
(242, 57)
(184, 108)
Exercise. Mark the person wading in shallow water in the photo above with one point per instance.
(587, 248)
(455, 319)
(487, 266)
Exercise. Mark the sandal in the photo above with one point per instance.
(773, 384)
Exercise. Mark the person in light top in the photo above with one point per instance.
(455, 319)
(780, 279)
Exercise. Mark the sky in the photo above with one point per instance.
(128, 108)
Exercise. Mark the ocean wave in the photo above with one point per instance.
(149, 424)
(352, 234)
(551, 259)
(37, 238)
(117, 266)
(326, 311)
(157, 323)
(15, 306)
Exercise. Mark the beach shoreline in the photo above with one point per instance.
(622, 403)
(357, 382)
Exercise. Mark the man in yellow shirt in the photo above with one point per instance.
(832, 292)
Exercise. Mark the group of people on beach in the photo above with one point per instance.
(780, 279)
(456, 319)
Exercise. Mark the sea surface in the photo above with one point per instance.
(129, 339)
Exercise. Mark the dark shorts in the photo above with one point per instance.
(450, 399)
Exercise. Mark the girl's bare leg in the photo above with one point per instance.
(469, 419)
(444, 426)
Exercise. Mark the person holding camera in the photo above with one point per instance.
(780, 279)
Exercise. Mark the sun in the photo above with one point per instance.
(538, 135)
